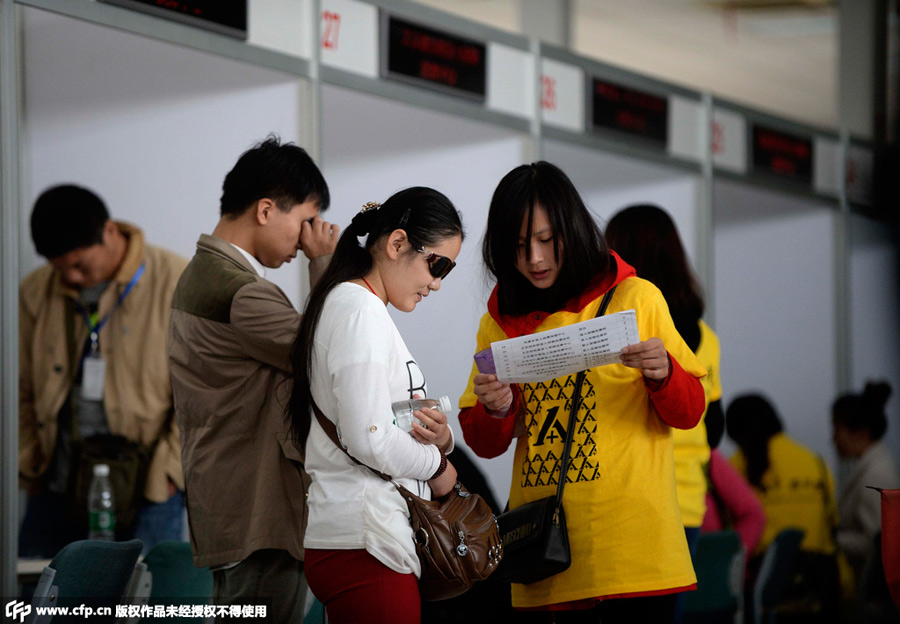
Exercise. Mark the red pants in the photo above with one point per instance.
(356, 588)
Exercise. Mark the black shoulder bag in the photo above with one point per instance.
(535, 539)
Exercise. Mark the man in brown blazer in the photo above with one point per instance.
(229, 345)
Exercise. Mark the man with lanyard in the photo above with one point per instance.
(92, 362)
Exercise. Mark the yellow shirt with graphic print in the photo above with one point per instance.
(626, 534)
(797, 492)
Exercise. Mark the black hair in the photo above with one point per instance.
(67, 217)
(284, 173)
(645, 237)
(426, 216)
(864, 412)
(751, 421)
(584, 251)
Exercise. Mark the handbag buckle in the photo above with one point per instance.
(462, 550)
(461, 492)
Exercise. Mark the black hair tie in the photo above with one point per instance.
(365, 218)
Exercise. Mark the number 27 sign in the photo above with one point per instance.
(331, 22)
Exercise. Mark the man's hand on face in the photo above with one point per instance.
(318, 237)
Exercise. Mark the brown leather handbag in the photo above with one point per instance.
(457, 538)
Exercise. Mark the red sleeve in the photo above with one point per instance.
(489, 436)
(679, 398)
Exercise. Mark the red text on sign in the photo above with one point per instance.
(332, 29)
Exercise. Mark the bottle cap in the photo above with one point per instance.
(484, 360)
(444, 404)
(101, 470)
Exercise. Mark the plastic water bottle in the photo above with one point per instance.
(403, 410)
(101, 506)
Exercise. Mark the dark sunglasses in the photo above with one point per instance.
(438, 266)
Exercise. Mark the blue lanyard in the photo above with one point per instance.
(95, 329)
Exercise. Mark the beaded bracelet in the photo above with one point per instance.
(442, 467)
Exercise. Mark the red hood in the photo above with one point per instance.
(516, 326)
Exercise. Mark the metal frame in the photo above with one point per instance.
(9, 295)
(841, 251)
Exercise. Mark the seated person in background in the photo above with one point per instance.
(797, 492)
(859, 424)
(103, 300)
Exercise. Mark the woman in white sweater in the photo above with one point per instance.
(351, 363)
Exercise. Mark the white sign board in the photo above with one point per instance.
(685, 119)
(729, 141)
(348, 36)
(562, 95)
(510, 81)
(826, 167)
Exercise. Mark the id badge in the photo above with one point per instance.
(93, 374)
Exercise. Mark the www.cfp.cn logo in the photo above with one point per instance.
(16, 609)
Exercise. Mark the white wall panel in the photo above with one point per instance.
(775, 293)
(151, 127)
(875, 313)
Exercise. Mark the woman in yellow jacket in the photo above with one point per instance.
(628, 549)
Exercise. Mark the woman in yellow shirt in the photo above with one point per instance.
(628, 549)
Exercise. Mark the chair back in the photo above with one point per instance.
(175, 579)
(775, 571)
(94, 573)
(719, 565)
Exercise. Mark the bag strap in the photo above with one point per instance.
(331, 432)
(573, 412)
